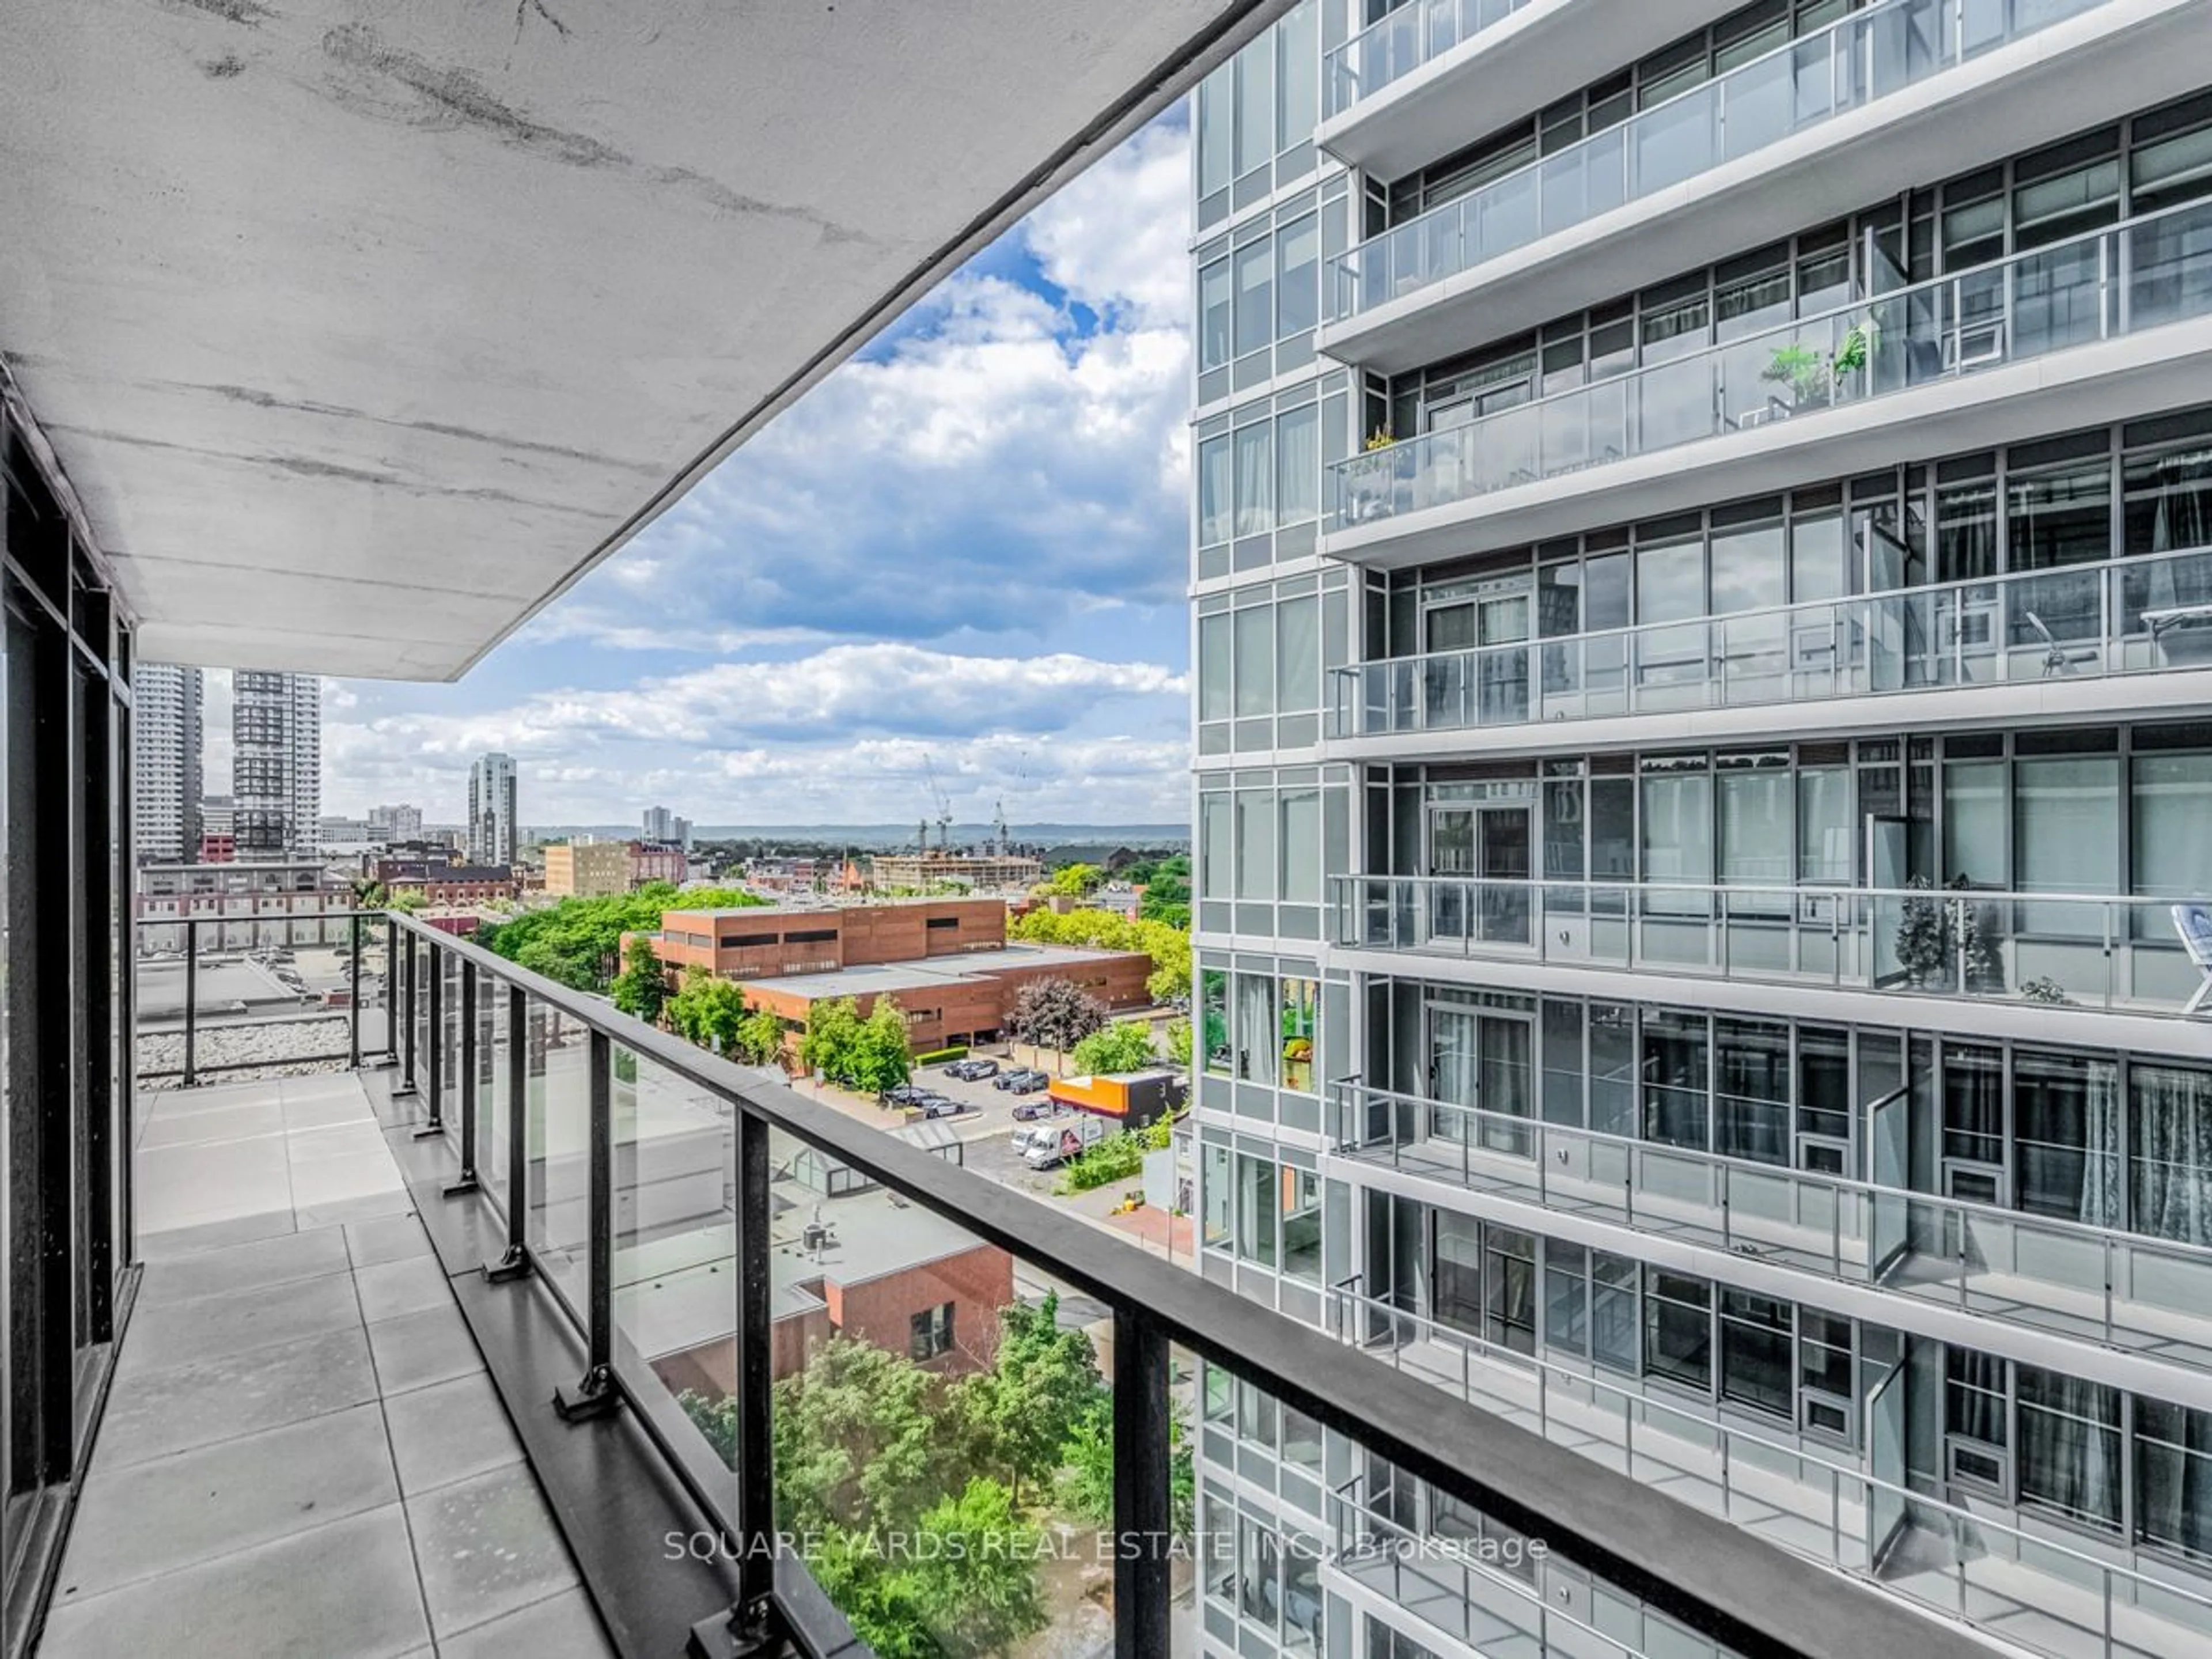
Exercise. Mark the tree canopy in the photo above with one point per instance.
(1124, 1046)
(1076, 880)
(1103, 930)
(1055, 1013)
(641, 988)
(576, 941)
(870, 1054)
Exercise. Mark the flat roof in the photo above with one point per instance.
(838, 907)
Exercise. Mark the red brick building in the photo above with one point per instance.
(946, 961)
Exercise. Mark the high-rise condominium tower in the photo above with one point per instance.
(1704, 717)
(167, 741)
(276, 761)
(491, 809)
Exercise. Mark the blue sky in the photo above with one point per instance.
(965, 549)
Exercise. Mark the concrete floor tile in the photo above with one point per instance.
(205, 1097)
(274, 1261)
(418, 1349)
(224, 1123)
(562, 1626)
(356, 1139)
(231, 1395)
(174, 1243)
(183, 1186)
(390, 1238)
(324, 1111)
(393, 1288)
(449, 1431)
(487, 1547)
(328, 1181)
(342, 1591)
(397, 1202)
(163, 1335)
(324, 1085)
(171, 1512)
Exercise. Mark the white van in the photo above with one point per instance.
(1056, 1140)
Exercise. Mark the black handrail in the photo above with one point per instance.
(1750, 1595)
(191, 1069)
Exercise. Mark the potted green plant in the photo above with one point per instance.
(1803, 371)
(1924, 936)
(1981, 967)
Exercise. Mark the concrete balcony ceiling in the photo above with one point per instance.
(363, 331)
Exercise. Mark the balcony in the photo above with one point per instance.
(2047, 1592)
(1817, 130)
(1396, 95)
(440, 1346)
(2058, 953)
(2011, 647)
(2082, 330)
(2124, 1291)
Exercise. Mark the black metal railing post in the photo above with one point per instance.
(401, 999)
(391, 990)
(514, 1261)
(749, 1625)
(353, 1001)
(433, 1040)
(192, 994)
(1143, 1516)
(595, 1392)
(466, 1182)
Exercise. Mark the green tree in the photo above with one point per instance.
(1179, 1042)
(641, 988)
(833, 1036)
(1076, 880)
(758, 1039)
(880, 1057)
(577, 941)
(1086, 1482)
(965, 1602)
(1055, 1014)
(858, 1440)
(706, 1010)
(1168, 946)
(1124, 1046)
(1020, 1414)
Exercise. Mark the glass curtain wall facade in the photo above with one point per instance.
(65, 1016)
(1892, 1241)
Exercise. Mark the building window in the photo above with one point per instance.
(1258, 1204)
(930, 1331)
(1678, 1337)
(940, 924)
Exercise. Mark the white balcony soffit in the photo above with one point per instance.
(2093, 67)
(1536, 57)
(361, 331)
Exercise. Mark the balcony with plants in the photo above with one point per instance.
(1786, 404)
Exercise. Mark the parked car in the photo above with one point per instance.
(940, 1106)
(1028, 1110)
(1025, 1080)
(1034, 1082)
(903, 1094)
(972, 1070)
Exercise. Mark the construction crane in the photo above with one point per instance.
(1005, 836)
(943, 808)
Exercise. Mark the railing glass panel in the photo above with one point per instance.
(1401, 42)
(2147, 615)
(1804, 84)
(2138, 275)
(2059, 949)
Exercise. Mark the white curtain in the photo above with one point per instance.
(2173, 1114)
(2100, 1134)
(1452, 1075)
(1258, 1030)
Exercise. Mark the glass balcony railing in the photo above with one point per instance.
(2056, 950)
(2138, 615)
(1400, 43)
(2046, 1595)
(1856, 60)
(2150, 272)
(2092, 1282)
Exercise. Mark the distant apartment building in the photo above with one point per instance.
(276, 761)
(668, 863)
(397, 824)
(984, 871)
(660, 825)
(338, 832)
(168, 740)
(796, 875)
(444, 884)
(238, 906)
(586, 869)
(218, 848)
(491, 823)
